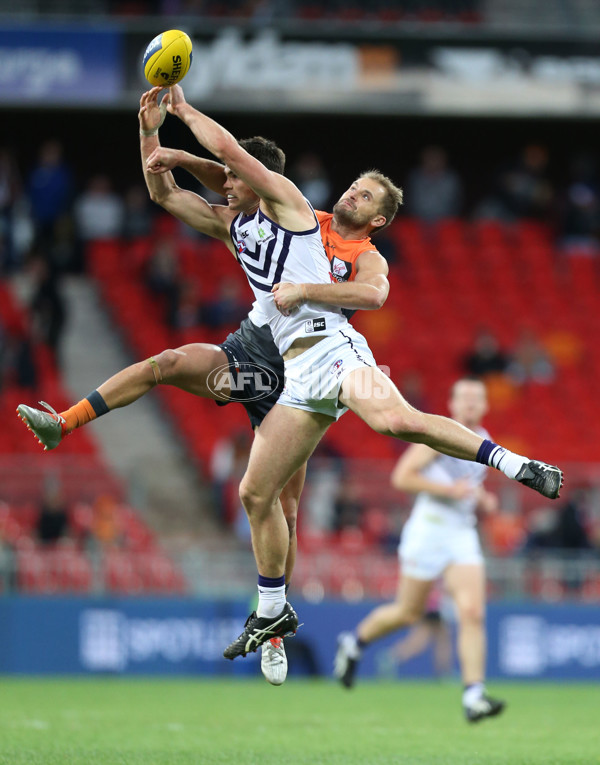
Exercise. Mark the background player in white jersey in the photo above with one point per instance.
(439, 539)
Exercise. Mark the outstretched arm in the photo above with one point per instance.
(183, 204)
(282, 197)
(210, 173)
(367, 292)
(407, 475)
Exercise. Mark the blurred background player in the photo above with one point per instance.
(433, 629)
(439, 539)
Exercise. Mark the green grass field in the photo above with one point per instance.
(156, 722)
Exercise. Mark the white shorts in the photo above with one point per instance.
(314, 378)
(427, 547)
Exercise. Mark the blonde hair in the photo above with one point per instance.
(392, 198)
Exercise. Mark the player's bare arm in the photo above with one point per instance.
(280, 198)
(407, 475)
(368, 291)
(210, 173)
(192, 209)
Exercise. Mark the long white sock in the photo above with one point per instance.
(500, 458)
(271, 601)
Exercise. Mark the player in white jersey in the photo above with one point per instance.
(439, 540)
(194, 366)
(328, 365)
(324, 353)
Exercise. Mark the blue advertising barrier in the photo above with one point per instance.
(43, 635)
(61, 64)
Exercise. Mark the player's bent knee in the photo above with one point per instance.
(164, 365)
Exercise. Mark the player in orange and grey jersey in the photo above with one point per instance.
(325, 373)
(354, 261)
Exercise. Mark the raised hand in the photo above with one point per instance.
(151, 114)
(162, 160)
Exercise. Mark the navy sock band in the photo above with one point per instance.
(98, 403)
(265, 581)
(485, 450)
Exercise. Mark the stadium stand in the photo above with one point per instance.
(448, 281)
(77, 563)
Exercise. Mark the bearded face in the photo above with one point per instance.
(347, 212)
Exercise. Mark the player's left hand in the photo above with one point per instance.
(151, 114)
(288, 296)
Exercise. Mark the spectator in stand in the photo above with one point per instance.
(310, 175)
(50, 189)
(571, 528)
(137, 219)
(53, 521)
(48, 307)
(434, 191)
(23, 358)
(188, 309)
(486, 356)
(104, 527)
(562, 534)
(530, 362)
(347, 508)
(163, 277)
(523, 190)
(10, 190)
(565, 530)
(580, 208)
(229, 307)
(99, 211)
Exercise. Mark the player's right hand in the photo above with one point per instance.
(162, 160)
(176, 99)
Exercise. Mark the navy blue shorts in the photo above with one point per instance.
(256, 370)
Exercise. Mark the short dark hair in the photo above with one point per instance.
(265, 151)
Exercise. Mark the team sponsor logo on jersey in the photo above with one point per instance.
(264, 233)
(340, 269)
(315, 325)
(244, 234)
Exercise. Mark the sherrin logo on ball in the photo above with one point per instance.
(168, 58)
